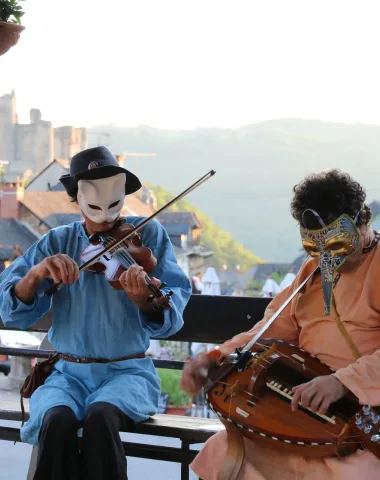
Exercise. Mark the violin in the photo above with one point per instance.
(130, 252)
(255, 397)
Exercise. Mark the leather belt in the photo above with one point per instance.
(70, 358)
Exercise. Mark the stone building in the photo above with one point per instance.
(32, 146)
(68, 141)
(184, 230)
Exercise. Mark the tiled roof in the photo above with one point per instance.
(44, 204)
(176, 229)
(48, 204)
(14, 232)
(58, 219)
(199, 250)
(57, 188)
(62, 162)
(297, 263)
(179, 217)
(261, 272)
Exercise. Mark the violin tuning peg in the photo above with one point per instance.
(367, 428)
(169, 294)
(366, 409)
(163, 285)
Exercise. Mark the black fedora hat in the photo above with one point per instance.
(95, 163)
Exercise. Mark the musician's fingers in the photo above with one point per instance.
(307, 396)
(317, 401)
(141, 282)
(69, 267)
(296, 398)
(156, 282)
(325, 405)
(298, 393)
(131, 279)
(123, 280)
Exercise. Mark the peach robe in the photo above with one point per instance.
(303, 323)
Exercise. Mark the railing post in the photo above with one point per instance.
(185, 462)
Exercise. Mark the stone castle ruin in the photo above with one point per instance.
(31, 147)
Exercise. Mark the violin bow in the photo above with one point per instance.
(114, 244)
(242, 356)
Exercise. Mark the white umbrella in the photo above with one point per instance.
(210, 286)
(270, 288)
(287, 281)
(211, 282)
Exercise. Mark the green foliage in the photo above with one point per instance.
(227, 251)
(10, 10)
(278, 277)
(170, 383)
(253, 288)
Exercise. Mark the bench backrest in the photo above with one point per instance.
(207, 319)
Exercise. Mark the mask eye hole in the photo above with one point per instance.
(311, 248)
(114, 204)
(94, 207)
(340, 245)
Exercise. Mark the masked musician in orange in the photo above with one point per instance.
(335, 231)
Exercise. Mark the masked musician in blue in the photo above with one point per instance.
(102, 379)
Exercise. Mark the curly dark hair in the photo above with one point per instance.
(331, 194)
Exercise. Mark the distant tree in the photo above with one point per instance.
(227, 251)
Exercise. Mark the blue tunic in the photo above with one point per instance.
(92, 319)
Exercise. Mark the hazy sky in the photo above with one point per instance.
(182, 64)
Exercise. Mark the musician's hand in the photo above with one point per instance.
(195, 372)
(58, 267)
(134, 283)
(319, 393)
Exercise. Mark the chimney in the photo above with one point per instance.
(10, 196)
(120, 160)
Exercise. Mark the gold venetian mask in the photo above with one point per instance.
(332, 244)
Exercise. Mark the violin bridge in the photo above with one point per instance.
(259, 359)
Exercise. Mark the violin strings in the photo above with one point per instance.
(123, 252)
(266, 347)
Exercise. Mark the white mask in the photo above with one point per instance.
(101, 200)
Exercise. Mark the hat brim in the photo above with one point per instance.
(70, 183)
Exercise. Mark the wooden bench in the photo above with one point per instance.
(207, 319)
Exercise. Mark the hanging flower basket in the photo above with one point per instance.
(10, 24)
(9, 35)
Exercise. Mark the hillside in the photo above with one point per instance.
(256, 168)
(227, 251)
